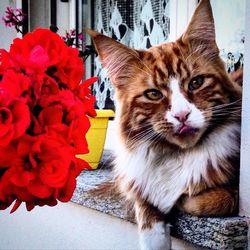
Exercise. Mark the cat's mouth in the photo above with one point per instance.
(184, 130)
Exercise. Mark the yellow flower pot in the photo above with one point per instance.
(96, 137)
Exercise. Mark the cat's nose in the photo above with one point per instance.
(182, 116)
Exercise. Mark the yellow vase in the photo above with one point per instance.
(96, 137)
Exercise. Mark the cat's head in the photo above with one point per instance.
(174, 93)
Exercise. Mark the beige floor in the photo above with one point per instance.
(67, 226)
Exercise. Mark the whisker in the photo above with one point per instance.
(145, 140)
(236, 111)
(225, 105)
(130, 129)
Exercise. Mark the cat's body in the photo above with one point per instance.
(178, 116)
(162, 176)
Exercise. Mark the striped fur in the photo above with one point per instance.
(178, 146)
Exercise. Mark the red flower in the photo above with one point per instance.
(36, 51)
(43, 120)
(42, 168)
(44, 51)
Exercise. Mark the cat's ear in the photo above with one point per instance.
(200, 33)
(119, 60)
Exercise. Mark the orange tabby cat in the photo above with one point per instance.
(178, 116)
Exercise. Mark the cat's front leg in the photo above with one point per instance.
(154, 232)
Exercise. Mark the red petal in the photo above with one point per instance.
(90, 81)
(21, 117)
(16, 206)
(22, 178)
(5, 116)
(22, 194)
(52, 202)
(39, 56)
(29, 206)
(51, 116)
(6, 134)
(81, 165)
(4, 129)
(67, 191)
(39, 189)
(25, 145)
(54, 173)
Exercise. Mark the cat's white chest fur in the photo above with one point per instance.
(163, 182)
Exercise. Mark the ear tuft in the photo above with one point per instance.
(91, 33)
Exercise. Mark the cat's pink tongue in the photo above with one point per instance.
(186, 130)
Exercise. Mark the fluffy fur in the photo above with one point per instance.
(178, 117)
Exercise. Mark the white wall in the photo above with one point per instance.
(245, 132)
(7, 34)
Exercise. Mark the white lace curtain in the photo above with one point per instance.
(137, 23)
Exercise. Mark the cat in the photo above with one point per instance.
(178, 117)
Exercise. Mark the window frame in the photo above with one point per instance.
(244, 194)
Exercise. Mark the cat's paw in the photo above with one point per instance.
(156, 238)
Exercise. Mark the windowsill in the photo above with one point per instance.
(215, 233)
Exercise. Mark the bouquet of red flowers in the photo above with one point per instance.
(44, 109)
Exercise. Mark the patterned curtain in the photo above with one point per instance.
(137, 23)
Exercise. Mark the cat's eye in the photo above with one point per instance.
(195, 83)
(153, 94)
